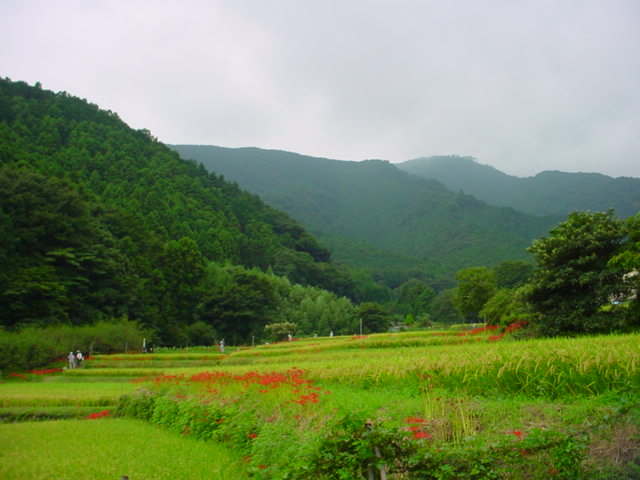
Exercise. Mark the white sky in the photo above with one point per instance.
(523, 85)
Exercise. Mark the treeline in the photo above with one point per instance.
(100, 221)
(585, 280)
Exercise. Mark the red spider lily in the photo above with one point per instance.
(46, 371)
(95, 416)
(414, 420)
(262, 466)
(419, 435)
(18, 375)
(518, 433)
(252, 435)
(304, 399)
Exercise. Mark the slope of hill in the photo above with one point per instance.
(375, 203)
(547, 193)
(99, 220)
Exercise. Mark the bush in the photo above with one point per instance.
(34, 347)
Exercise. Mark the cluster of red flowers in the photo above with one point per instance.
(18, 375)
(512, 327)
(358, 337)
(476, 331)
(46, 371)
(417, 428)
(102, 414)
(304, 399)
(293, 377)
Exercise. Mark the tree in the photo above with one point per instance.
(627, 264)
(476, 286)
(504, 306)
(279, 331)
(414, 297)
(573, 281)
(375, 318)
(238, 303)
(443, 308)
(513, 273)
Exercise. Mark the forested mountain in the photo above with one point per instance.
(547, 193)
(371, 212)
(98, 220)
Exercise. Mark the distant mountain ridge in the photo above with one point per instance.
(373, 202)
(547, 193)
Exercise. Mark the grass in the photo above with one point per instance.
(107, 449)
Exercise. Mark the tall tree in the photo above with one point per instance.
(476, 286)
(572, 281)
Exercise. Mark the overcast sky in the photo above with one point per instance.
(524, 86)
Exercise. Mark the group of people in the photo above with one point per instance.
(75, 360)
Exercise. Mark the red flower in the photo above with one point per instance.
(252, 435)
(418, 435)
(414, 420)
(262, 466)
(94, 416)
(518, 433)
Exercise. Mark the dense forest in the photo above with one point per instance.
(374, 216)
(101, 221)
(547, 193)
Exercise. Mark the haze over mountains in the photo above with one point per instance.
(547, 193)
(372, 214)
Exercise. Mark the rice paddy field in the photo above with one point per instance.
(426, 405)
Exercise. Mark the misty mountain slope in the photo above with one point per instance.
(547, 193)
(374, 202)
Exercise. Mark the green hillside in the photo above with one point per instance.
(100, 220)
(547, 193)
(374, 203)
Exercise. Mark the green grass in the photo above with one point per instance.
(107, 449)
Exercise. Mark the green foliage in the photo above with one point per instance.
(417, 222)
(504, 306)
(513, 273)
(547, 193)
(374, 317)
(276, 332)
(200, 333)
(414, 298)
(627, 265)
(443, 308)
(34, 347)
(98, 221)
(572, 281)
(476, 286)
(314, 311)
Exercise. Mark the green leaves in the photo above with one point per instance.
(572, 281)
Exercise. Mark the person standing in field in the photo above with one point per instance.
(79, 359)
(72, 360)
